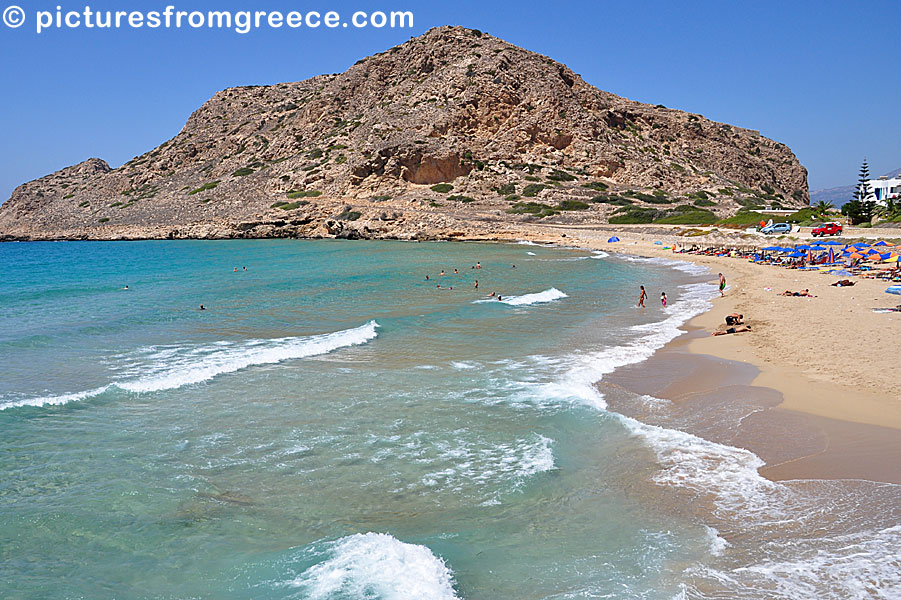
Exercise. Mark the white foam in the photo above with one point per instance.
(717, 544)
(191, 365)
(531, 254)
(690, 461)
(536, 298)
(577, 382)
(377, 565)
(858, 565)
(681, 265)
(599, 254)
(53, 400)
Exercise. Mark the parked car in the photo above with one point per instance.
(827, 229)
(777, 228)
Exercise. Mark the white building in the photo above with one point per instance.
(884, 188)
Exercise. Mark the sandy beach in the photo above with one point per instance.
(830, 357)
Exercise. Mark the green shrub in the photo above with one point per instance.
(83, 204)
(687, 215)
(506, 189)
(314, 154)
(558, 175)
(596, 185)
(206, 186)
(103, 219)
(632, 215)
(677, 167)
(512, 198)
(572, 205)
(442, 188)
(304, 194)
(349, 215)
(702, 202)
(464, 199)
(532, 208)
(614, 200)
(380, 198)
(242, 172)
(292, 205)
(531, 178)
(67, 196)
(532, 189)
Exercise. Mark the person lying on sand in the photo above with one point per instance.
(843, 283)
(733, 330)
(805, 293)
(734, 319)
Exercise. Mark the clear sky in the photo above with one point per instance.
(822, 77)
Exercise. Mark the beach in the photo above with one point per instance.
(830, 357)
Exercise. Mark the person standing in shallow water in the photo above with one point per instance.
(641, 297)
(722, 285)
(663, 299)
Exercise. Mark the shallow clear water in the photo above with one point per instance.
(334, 426)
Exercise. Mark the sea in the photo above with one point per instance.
(341, 421)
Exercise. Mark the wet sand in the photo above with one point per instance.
(721, 400)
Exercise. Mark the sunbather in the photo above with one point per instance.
(733, 330)
(843, 283)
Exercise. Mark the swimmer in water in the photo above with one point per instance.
(476, 285)
(492, 295)
(456, 271)
(125, 288)
(478, 265)
(202, 307)
(426, 277)
(442, 273)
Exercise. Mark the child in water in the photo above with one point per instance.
(663, 299)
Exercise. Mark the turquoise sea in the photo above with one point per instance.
(335, 426)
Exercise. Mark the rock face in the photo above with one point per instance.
(454, 106)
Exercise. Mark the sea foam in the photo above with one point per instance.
(548, 295)
(377, 565)
(172, 368)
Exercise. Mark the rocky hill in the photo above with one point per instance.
(448, 127)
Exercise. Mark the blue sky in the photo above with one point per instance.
(822, 77)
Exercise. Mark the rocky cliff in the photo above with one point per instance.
(447, 127)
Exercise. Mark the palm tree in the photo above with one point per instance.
(822, 207)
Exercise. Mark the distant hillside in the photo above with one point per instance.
(840, 195)
(454, 120)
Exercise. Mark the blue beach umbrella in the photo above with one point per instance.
(818, 248)
(773, 249)
(860, 245)
(894, 289)
(832, 243)
(881, 243)
(613, 239)
(796, 255)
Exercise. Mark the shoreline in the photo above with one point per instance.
(857, 422)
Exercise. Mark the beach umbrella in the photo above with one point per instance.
(805, 247)
(831, 258)
(894, 289)
(613, 239)
(772, 249)
(893, 258)
(855, 256)
(796, 255)
(860, 245)
(818, 248)
(881, 243)
(832, 243)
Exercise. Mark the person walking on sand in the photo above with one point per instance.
(641, 297)
(663, 299)
(722, 285)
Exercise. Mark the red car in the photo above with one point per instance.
(827, 229)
